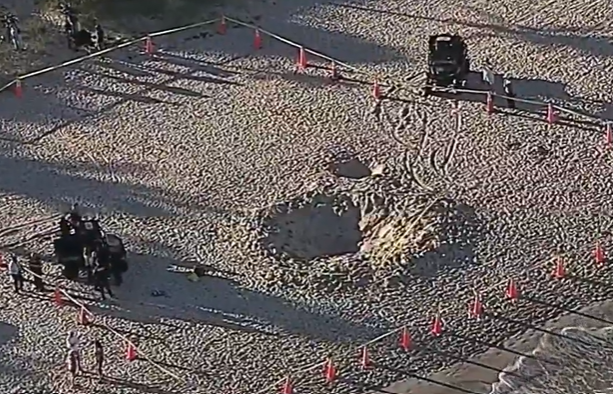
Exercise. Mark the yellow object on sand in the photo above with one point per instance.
(192, 277)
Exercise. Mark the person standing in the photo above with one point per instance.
(101, 281)
(488, 76)
(36, 267)
(99, 356)
(16, 272)
(73, 343)
(72, 364)
(508, 91)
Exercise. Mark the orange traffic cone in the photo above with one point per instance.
(437, 326)
(130, 352)
(18, 89)
(489, 104)
(476, 308)
(599, 254)
(330, 371)
(148, 46)
(257, 39)
(365, 361)
(609, 135)
(302, 60)
(223, 27)
(512, 293)
(551, 115)
(559, 271)
(405, 339)
(287, 386)
(57, 297)
(376, 90)
(84, 317)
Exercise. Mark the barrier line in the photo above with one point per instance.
(8, 85)
(81, 59)
(181, 28)
(401, 84)
(109, 328)
(294, 44)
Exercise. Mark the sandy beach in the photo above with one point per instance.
(325, 219)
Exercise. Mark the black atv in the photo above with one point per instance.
(448, 62)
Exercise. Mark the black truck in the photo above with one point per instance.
(448, 62)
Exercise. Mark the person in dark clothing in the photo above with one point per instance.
(36, 267)
(101, 281)
(99, 356)
(508, 91)
(64, 227)
(99, 36)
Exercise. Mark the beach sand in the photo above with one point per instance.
(470, 378)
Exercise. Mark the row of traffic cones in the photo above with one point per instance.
(330, 371)
(85, 318)
(476, 310)
(512, 292)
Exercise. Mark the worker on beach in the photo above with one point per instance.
(72, 364)
(16, 272)
(36, 267)
(508, 91)
(101, 281)
(488, 76)
(73, 343)
(99, 356)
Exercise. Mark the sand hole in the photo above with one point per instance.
(323, 226)
(352, 168)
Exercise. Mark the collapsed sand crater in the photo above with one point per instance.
(362, 231)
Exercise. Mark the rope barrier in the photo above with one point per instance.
(116, 333)
(109, 328)
(377, 78)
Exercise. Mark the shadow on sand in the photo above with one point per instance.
(218, 299)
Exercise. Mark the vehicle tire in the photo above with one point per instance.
(466, 66)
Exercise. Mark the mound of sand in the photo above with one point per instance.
(360, 231)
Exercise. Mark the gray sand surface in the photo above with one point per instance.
(478, 379)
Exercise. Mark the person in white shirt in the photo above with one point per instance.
(16, 273)
(488, 76)
(73, 343)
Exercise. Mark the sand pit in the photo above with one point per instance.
(178, 151)
(378, 229)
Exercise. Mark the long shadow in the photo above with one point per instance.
(598, 46)
(28, 178)
(225, 304)
(128, 97)
(144, 388)
(7, 333)
(472, 339)
(413, 375)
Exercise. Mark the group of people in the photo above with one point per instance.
(74, 357)
(12, 32)
(77, 36)
(16, 272)
(97, 261)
